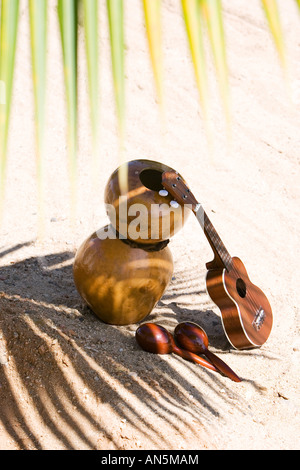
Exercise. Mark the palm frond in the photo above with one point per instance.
(194, 29)
(8, 39)
(213, 17)
(199, 16)
(270, 8)
(92, 55)
(68, 15)
(192, 18)
(116, 29)
(152, 11)
(38, 30)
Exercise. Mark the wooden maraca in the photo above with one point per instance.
(156, 339)
(192, 337)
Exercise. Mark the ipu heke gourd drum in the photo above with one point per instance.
(122, 277)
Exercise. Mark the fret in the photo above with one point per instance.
(213, 237)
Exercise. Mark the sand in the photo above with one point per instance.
(69, 381)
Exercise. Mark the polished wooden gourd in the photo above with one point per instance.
(121, 284)
(160, 216)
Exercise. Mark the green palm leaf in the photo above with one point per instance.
(192, 18)
(212, 15)
(152, 10)
(194, 28)
(92, 55)
(116, 28)
(8, 38)
(197, 14)
(270, 8)
(38, 28)
(68, 14)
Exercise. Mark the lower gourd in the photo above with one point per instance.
(119, 282)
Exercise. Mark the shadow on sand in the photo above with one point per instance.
(65, 369)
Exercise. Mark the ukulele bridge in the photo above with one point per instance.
(259, 319)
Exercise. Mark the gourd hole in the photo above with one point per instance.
(152, 179)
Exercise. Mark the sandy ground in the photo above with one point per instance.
(67, 380)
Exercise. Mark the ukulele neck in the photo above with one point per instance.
(174, 183)
(222, 256)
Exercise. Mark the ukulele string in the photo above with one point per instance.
(223, 254)
(248, 293)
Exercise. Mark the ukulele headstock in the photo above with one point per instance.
(176, 186)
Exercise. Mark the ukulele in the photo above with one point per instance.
(245, 310)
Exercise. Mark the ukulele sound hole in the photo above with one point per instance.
(241, 287)
(152, 179)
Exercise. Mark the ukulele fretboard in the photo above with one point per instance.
(213, 237)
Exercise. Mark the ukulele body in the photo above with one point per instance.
(245, 310)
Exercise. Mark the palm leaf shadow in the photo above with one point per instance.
(57, 351)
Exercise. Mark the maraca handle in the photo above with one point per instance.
(222, 366)
(189, 356)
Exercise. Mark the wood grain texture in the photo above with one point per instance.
(239, 313)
